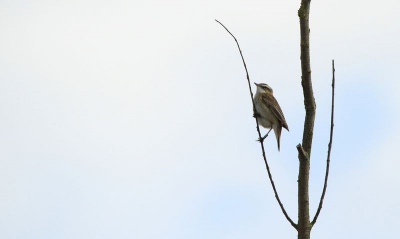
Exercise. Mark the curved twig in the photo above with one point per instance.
(328, 160)
(259, 133)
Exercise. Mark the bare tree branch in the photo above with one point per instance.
(328, 159)
(302, 153)
(304, 226)
(259, 134)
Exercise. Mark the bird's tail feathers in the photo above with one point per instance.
(278, 130)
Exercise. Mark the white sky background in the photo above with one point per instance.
(125, 119)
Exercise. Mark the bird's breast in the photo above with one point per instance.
(267, 118)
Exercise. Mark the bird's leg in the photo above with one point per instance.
(265, 136)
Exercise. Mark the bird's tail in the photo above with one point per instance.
(278, 130)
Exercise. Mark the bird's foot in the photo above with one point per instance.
(262, 138)
(256, 115)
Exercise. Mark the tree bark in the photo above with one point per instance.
(304, 225)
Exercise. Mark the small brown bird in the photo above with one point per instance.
(268, 111)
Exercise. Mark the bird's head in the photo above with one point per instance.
(263, 88)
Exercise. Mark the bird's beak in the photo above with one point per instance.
(256, 84)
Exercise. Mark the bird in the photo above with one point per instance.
(268, 112)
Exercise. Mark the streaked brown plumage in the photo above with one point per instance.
(269, 114)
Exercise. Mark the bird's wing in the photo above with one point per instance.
(272, 104)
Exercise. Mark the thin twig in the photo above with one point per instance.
(328, 160)
(259, 133)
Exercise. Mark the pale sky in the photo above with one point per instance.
(132, 119)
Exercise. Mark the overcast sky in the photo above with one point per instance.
(132, 119)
